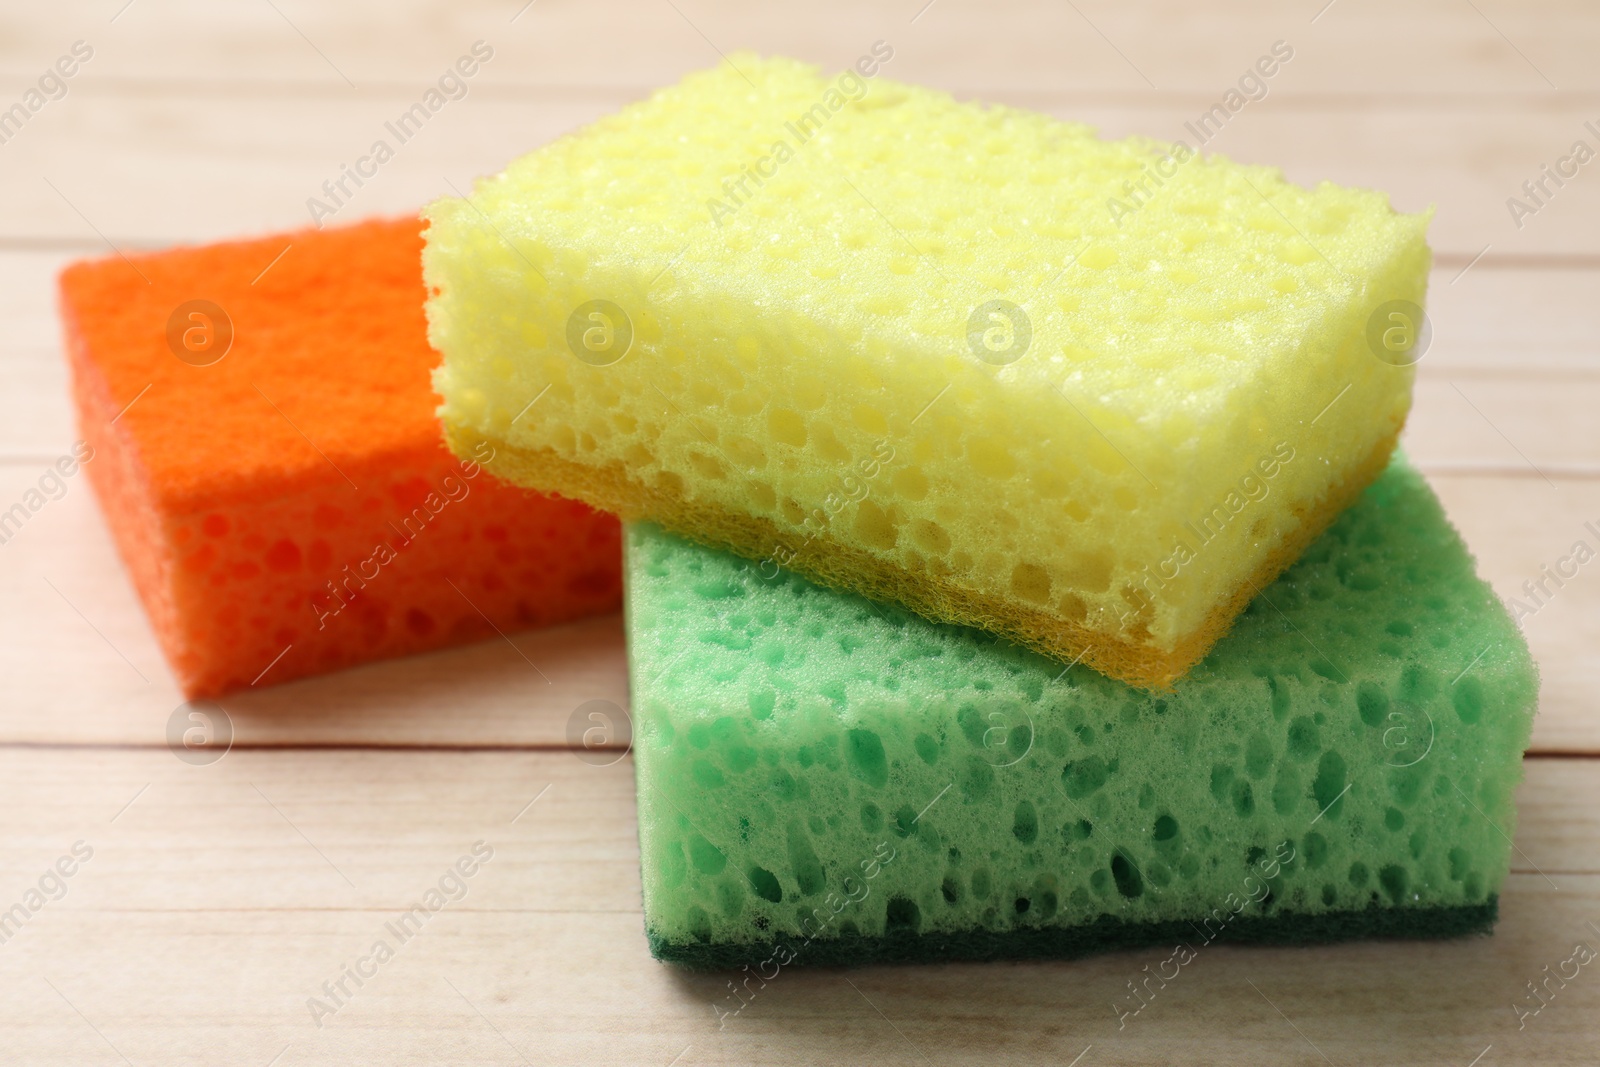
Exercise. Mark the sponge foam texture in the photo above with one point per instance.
(290, 509)
(1349, 751)
(816, 372)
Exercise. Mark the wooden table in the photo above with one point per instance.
(219, 898)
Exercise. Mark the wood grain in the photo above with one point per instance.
(1360, 48)
(219, 898)
(1512, 373)
(185, 953)
(106, 681)
(166, 165)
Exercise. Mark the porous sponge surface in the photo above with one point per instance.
(1363, 724)
(800, 384)
(292, 506)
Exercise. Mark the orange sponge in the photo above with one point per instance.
(268, 458)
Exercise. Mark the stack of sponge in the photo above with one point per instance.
(1005, 574)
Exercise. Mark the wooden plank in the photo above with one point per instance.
(1362, 46)
(311, 830)
(501, 988)
(221, 897)
(99, 676)
(170, 953)
(1518, 421)
(81, 663)
(1513, 370)
(169, 165)
(1557, 822)
(350, 828)
(1531, 320)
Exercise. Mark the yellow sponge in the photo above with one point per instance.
(1088, 395)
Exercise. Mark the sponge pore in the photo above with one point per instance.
(285, 505)
(830, 780)
(902, 346)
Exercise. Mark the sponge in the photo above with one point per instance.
(1089, 395)
(267, 456)
(825, 780)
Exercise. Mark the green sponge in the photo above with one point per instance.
(924, 360)
(825, 779)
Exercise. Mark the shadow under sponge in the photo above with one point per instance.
(826, 780)
(272, 470)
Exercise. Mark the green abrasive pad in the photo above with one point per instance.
(823, 779)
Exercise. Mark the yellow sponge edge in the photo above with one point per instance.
(1085, 394)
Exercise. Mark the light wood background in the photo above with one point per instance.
(219, 898)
